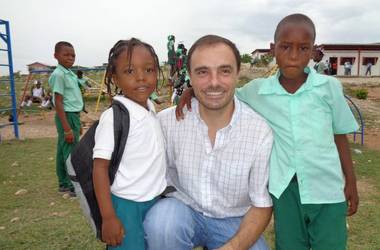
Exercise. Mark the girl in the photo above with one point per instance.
(133, 68)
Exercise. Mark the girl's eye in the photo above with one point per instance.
(150, 70)
(129, 71)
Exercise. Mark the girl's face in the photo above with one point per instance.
(137, 79)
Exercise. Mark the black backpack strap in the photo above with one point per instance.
(121, 124)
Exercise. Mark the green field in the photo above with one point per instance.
(43, 219)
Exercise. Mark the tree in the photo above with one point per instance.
(246, 58)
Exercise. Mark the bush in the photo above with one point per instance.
(361, 94)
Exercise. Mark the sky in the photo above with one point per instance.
(94, 26)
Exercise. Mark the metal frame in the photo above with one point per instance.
(6, 38)
(356, 108)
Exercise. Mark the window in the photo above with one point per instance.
(345, 59)
(372, 60)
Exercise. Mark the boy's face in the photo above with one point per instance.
(65, 56)
(293, 49)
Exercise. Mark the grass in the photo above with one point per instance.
(46, 220)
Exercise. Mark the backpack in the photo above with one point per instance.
(80, 164)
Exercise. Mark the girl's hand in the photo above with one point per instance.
(69, 137)
(112, 231)
(184, 100)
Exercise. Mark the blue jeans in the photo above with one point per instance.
(172, 225)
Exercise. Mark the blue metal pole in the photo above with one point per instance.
(12, 80)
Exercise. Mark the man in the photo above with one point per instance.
(218, 160)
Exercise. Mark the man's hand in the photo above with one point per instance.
(185, 99)
(112, 231)
(352, 197)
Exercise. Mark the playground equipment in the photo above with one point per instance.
(96, 87)
(6, 39)
(358, 115)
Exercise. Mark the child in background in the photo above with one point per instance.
(311, 181)
(133, 67)
(68, 103)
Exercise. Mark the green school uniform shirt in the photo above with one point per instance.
(64, 82)
(304, 124)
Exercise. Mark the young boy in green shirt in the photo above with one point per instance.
(311, 176)
(68, 102)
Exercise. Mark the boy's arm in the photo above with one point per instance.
(350, 189)
(69, 136)
(112, 229)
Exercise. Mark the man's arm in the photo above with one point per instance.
(350, 189)
(69, 136)
(252, 226)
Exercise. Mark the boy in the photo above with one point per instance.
(68, 103)
(311, 172)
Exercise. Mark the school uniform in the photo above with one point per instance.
(306, 179)
(64, 82)
(141, 174)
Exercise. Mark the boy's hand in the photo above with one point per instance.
(351, 193)
(112, 231)
(69, 137)
(185, 99)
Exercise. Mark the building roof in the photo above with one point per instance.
(38, 63)
(350, 46)
(261, 51)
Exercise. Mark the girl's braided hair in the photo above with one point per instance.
(115, 52)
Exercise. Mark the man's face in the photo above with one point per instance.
(214, 75)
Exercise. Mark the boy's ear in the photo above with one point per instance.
(271, 50)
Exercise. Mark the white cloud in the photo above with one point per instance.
(94, 26)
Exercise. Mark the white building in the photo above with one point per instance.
(359, 55)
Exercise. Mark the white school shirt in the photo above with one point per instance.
(226, 179)
(141, 173)
(37, 92)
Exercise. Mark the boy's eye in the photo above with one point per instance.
(304, 48)
(285, 47)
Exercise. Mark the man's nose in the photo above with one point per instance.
(214, 78)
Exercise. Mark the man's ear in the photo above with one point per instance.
(55, 56)
(271, 50)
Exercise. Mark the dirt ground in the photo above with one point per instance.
(41, 124)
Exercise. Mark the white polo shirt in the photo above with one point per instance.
(141, 174)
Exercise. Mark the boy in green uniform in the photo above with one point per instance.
(68, 102)
(311, 174)
(311, 180)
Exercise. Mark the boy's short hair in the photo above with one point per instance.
(295, 18)
(61, 44)
(212, 40)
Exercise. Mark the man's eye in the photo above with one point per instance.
(226, 71)
(201, 72)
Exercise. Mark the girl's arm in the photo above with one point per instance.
(350, 189)
(69, 136)
(112, 229)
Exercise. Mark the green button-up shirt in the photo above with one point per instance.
(64, 82)
(304, 124)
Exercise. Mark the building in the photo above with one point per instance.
(359, 55)
(38, 66)
(258, 53)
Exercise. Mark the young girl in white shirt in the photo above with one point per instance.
(133, 68)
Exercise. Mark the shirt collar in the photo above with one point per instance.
(136, 110)
(273, 86)
(235, 114)
(64, 70)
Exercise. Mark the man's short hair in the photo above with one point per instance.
(212, 40)
(59, 45)
(296, 19)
